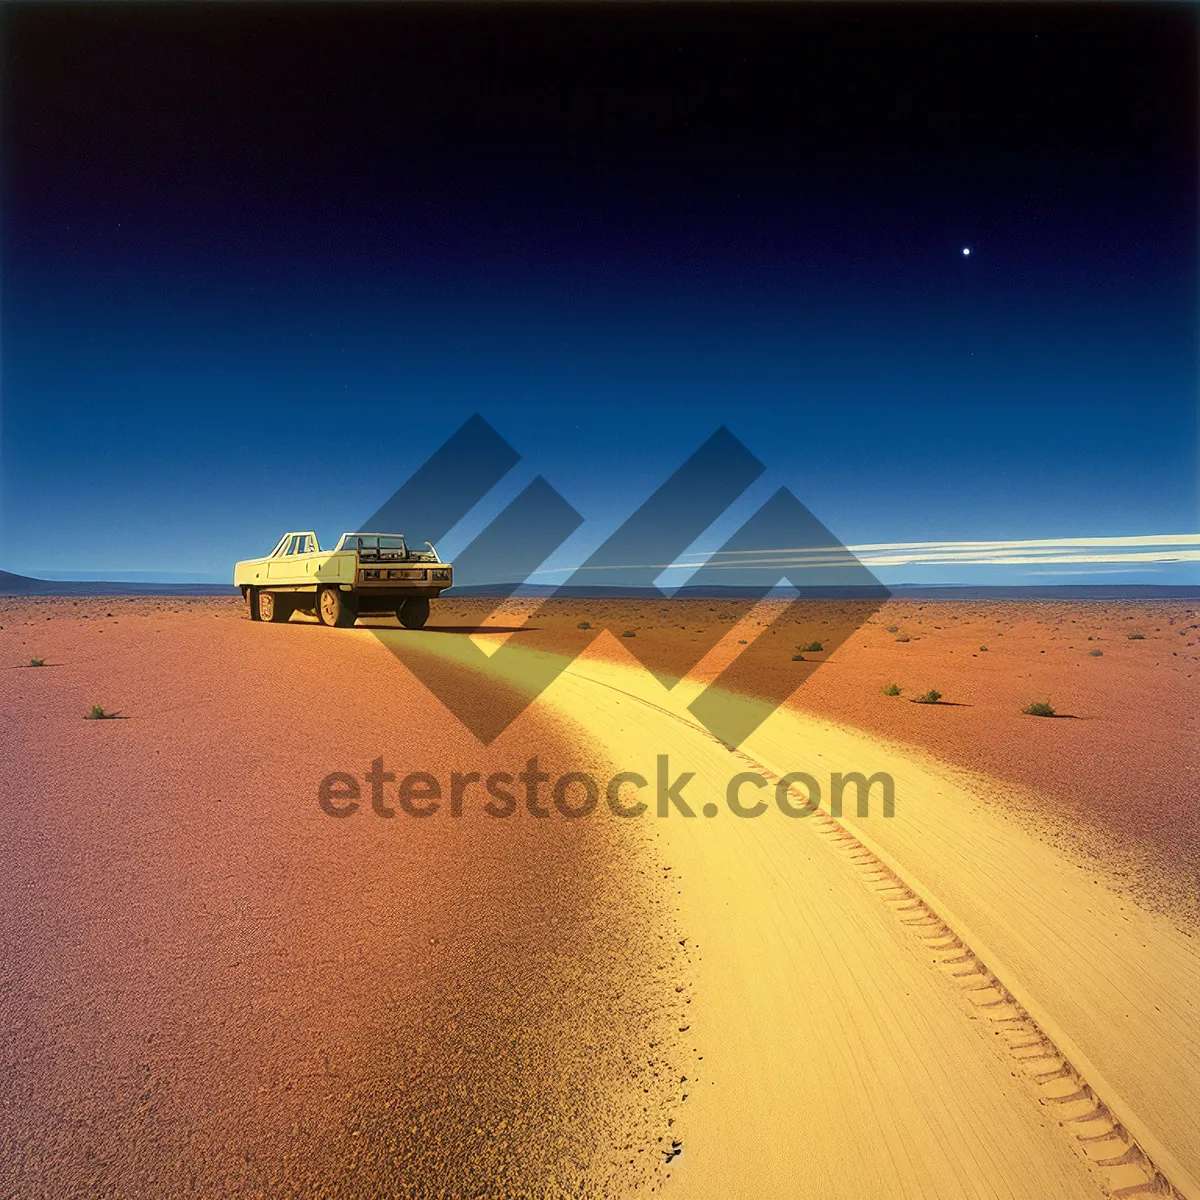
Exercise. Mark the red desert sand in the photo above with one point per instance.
(207, 985)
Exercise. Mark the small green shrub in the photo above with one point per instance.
(1096, 653)
(37, 662)
(97, 714)
(797, 658)
(629, 633)
(930, 697)
(892, 689)
(904, 638)
(584, 625)
(1039, 708)
(1136, 637)
(893, 629)
(812, 648)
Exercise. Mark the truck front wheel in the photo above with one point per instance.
(413, 613)
(335, 607)
(252, 603)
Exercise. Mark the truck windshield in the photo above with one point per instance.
(376, 545)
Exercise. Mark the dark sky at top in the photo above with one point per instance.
(242, 242)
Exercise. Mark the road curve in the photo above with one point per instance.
(935, 1004)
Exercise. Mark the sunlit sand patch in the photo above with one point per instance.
(780, 933)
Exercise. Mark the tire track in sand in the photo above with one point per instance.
(828, 1058)
(1090, 1119)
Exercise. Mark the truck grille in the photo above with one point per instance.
(382, 574)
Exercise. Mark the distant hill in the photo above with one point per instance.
(540, 590)
(24, 585)
(902, 591)
(1062, 591)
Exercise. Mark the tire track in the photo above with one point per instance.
(1094, 1118)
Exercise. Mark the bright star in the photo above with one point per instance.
(966, 249)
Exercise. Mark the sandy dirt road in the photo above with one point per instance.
(934, 1004)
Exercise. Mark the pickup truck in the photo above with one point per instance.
(365, 574)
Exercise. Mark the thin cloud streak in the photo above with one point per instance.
(1155, 548)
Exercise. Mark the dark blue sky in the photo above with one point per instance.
(258, 263)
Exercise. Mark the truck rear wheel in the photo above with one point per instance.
(335, 607)
(252, 603)
(413, 613)
(273, 608)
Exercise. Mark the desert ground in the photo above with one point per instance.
(1116, 777)
(208, 985)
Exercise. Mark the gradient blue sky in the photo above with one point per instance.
(258, 263)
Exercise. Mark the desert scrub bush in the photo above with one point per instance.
(797, 658)
(892, 689)
(812, 648)
(97, 714)
(893, 629)
(630, 633)
(1096, 653)
(1136, 637)
(930, 697)
(904, 638)
(584, 625)
(1039, 708)
(37, 662)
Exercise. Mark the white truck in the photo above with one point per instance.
(365, 574)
